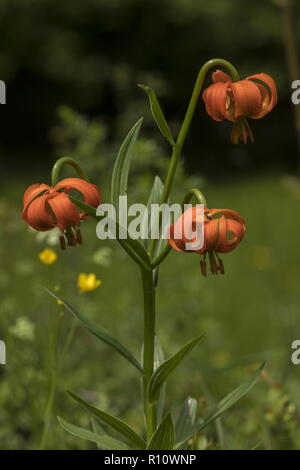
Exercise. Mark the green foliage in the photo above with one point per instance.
(158, 114)
(103, 440)
(243, 329)
(163, 438)
(162, 372)
(100, 333)
(225, 404)
(120, 174)
(158, 360)
(186, 419)
(154, 198)
(115, 423)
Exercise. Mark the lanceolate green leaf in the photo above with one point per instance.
(115, 423)
(163, 241)
(229, 400)
(119, 185)
(224, 404)
(186, 419)
(160, 375)
(100, 332)
(154, 198)
(101, 440)
(158, 114)
(119, 180)
(97, 428)
(86, 208)
(158, 360)
(163, 438)
(133, 247)
(158, 354)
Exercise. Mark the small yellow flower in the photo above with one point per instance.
(47, 256)
(87, 282)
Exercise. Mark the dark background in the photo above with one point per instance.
(90, 55)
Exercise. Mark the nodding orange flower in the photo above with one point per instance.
(46, 207)
(223, 230)
(252, 98)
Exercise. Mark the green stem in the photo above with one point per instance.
(197, 90)
(177, 148)
(57, 167)
(68, 342)
(54, 332)
(194, 192)
(49, 408)
(148, 350)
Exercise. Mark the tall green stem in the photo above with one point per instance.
(197, 90)
(148, 350)
(49, 409)
(54, 328)
(177, 147)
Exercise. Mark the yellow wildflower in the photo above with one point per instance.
(47, 256)
(87, 282)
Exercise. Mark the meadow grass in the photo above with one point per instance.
(251, 315)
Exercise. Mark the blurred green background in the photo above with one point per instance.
(71, 70)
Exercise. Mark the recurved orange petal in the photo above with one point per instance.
(36, 214)
(64, 212)
(33, 191)
(220, 76)
(176, 244)
(247, 98)
(234, 235)
(216, 101)
(268, 92)
(211, 235)
(90, 192)
(228, 213)
(220, 244)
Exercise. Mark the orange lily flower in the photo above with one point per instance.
(252, 98)
(223, 230)
(45, 207)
